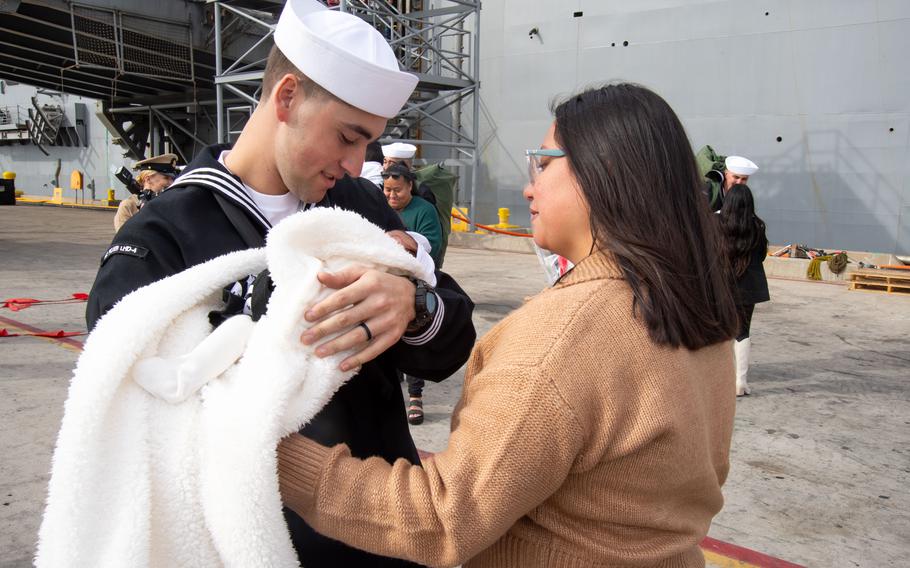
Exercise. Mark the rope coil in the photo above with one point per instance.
(836, 263)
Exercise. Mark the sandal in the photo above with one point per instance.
(415, 411)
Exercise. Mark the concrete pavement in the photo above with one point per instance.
(820, 456)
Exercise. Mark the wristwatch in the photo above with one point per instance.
(425, 304)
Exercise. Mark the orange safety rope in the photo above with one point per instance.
(488, 228)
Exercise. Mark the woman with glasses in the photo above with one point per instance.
(595, 422)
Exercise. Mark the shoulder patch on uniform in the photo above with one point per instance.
(129, 250)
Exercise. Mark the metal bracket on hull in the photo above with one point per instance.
(44, 124)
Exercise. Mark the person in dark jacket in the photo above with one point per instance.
(746, 246)
(303, 147)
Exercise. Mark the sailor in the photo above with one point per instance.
(155, 175)
(719, 180)
(398, 152)
(330, 85)
(403, 153)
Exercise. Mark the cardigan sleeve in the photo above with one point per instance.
(514, 444)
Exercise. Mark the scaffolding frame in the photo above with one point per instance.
(99, 38)
(440, 44)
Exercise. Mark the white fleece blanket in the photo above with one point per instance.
(188, 477)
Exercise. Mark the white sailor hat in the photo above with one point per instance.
(399, 150)
(740, 165)
(344, 55)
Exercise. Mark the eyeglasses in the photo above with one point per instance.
(534, 167)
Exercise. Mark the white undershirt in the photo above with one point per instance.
(274, 207)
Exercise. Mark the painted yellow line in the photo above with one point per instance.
(715, 560)
(52, 203)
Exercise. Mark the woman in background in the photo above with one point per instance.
(595, 422)
(746, 246)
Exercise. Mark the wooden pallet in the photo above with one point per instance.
(889, 282)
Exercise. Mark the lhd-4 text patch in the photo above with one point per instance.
(129, 250)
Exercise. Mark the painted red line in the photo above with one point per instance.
(745, 554)
(24, 326)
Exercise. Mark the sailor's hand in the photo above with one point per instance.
(383, 302)
(405, 240)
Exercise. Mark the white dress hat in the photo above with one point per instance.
(740, 165)
(399, 150)
(344, 55)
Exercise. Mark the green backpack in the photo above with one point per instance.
(708, 160)
(442, 183)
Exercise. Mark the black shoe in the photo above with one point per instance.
(415, 410)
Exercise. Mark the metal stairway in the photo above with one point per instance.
(44, 124)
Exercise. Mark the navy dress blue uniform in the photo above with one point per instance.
(192, 222)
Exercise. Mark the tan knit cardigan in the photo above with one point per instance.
(577, 442)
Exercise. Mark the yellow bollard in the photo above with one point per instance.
(111, 200)
(459, 226)
(58, 195)
(504, 219)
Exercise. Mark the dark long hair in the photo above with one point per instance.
(741, 229)
(635, 166)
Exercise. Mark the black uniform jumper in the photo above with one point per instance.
(196, 220)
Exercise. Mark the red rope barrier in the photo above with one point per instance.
(51, 334)
(18, 304)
